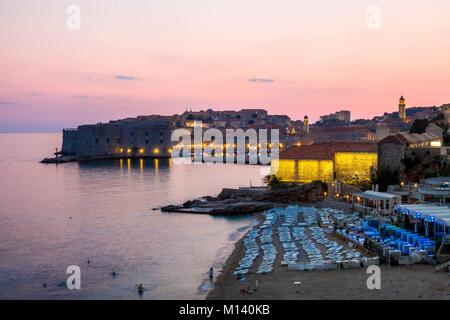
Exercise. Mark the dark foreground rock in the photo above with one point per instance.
(220, 208)
(62, 159)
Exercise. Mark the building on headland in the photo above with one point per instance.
(343, 116)
(132, 137)
(349, 134)
(230, 119)
(127, 137)
(150, 136)
(350, 162)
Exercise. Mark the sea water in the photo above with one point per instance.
(53, 216)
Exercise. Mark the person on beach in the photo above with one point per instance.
(211, 273)
(141, 288)
(256, 284)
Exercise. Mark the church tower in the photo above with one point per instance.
(306, 124)
(402, 108)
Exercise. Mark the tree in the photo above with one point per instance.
(439, 117)
(419, 126)
(271, 180)
(446, 139)
(384, 177)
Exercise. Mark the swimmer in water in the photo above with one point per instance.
(211, 273)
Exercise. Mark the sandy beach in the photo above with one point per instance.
(397, 282)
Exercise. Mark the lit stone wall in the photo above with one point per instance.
(354, 166)
(311, 170)
(286, 170)
(304, 170)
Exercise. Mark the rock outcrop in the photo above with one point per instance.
(251, 200)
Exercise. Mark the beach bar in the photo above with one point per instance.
(381, 201)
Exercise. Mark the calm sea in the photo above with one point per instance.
(53, 216)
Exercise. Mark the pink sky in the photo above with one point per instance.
(160, 57)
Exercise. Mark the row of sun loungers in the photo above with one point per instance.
(264, 233)
(251, 252)
(295, 237)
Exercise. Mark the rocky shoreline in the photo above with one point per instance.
(250, 200)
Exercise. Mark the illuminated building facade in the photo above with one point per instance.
(350, 162)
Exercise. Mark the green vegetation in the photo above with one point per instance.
(271, 180)
(419, 126)
(423, 166)
(446, 139)
(384, 177)
(438, 117)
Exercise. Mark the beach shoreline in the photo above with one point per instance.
(413, 282)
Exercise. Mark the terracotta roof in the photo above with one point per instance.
(417, 138)
(346, 129)
(353, 146)
(314, 151)
(326, 151)
(410, 138)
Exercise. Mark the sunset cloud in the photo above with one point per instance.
(125, 77)
(261, 80)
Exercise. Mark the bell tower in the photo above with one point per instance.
(306, 124)
(402, 108)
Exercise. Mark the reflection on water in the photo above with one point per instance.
(52, 216)
(128, 163)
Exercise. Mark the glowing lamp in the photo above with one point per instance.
(436, 144)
